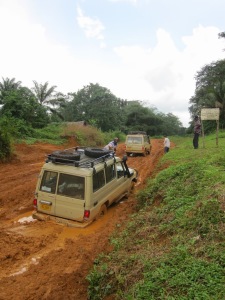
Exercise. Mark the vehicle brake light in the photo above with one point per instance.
(35, 203)
(86, 214)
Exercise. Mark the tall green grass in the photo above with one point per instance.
(59, 133)
(174, 246)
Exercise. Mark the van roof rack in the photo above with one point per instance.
(77, 158)
(137, 132)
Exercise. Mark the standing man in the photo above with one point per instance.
(197, 131)
(166, 144)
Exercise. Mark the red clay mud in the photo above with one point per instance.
(46, 260)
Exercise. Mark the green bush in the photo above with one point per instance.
(5, 145)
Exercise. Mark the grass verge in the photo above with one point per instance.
(173, 247)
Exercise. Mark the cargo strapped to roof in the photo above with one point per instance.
(137, 132)
(77, 158)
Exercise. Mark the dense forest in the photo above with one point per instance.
(94, 104)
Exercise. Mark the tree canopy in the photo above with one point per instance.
(94, 104)
(210, 89)
(21, 104)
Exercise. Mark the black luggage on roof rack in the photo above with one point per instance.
(86, 158)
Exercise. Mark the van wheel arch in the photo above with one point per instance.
(102, 211)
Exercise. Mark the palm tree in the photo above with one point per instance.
(8, 85)
(48, 97)
(43, 93)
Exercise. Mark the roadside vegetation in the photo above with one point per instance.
(173, 247)
(39, 114)
(54, 133)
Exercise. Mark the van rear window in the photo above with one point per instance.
(134, 140)
(48, 183)
(71, 186)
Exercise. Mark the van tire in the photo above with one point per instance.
(65, 155)
(96, 152)
(102, 211)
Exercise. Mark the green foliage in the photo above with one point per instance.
(210, 91)
(7, 85)
(95, 291)
(5, 140)
(109, 136)
(96, 105)
(52, 100)
(179, 275)
(50, 133)
(21, 104)
(173, 247)
(150, 120)
(5, 146)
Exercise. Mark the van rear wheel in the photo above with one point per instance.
(102, 211)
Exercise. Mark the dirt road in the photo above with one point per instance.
(44, 260)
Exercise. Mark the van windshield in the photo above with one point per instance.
(134, 140)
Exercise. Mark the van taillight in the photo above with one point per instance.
(35, 203)
(86, 214)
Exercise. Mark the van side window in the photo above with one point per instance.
(71, 186)
(48, 183)
(120, 170)
(98, 180)
(110, 173)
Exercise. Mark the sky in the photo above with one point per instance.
(146, 50)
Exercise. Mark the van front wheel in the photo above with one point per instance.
(102, 211)
(145, 153)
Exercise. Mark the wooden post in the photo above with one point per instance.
(203, 136)
(217, 130)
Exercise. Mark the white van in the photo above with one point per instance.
(138, 142)
(80, 184)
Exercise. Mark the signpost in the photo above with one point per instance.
(210, 114)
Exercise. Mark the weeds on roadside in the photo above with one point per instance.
(173, 247)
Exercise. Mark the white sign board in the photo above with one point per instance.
(210, 113)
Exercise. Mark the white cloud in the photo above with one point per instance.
(162, 76)
(92, 27)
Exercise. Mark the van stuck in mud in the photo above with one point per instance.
(77, 185)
